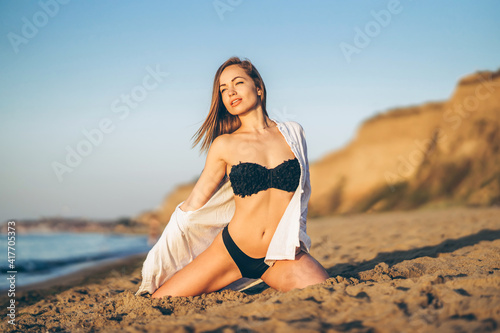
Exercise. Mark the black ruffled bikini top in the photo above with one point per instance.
(249, 178)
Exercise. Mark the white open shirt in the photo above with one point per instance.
(188, 234)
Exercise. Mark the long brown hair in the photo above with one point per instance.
(219, 120)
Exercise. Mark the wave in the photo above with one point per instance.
(47, 265)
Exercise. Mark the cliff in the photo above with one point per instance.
(438, 153)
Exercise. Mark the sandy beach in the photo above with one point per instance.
(428, 270)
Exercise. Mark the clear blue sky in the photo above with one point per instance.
(66, 67)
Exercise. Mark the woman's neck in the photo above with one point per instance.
(255, 122)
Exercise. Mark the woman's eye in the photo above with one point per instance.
(222, 91)
(239, 82)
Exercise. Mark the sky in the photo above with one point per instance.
(100, 99)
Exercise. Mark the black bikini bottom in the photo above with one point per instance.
(249, 267)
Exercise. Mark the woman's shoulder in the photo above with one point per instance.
(224, 142)
(221, 141)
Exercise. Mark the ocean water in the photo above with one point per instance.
(40, 257)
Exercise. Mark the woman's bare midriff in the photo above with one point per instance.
(256, 218)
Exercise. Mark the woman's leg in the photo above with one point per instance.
(286, 275)
(212, 270)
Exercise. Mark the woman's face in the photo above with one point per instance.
(238, 91)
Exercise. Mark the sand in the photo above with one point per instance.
(431, 270)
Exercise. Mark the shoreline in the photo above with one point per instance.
(33, 292)
(53, 257)
(74, 278)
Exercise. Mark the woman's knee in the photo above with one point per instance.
(299, 273)
(315, 269)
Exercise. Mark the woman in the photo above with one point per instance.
(249, 148)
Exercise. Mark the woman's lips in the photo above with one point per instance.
(236, 102)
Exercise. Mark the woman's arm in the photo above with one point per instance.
(210, 178)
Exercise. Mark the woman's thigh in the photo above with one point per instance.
(286, 275)
(210, 271)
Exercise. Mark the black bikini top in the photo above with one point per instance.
(249, 178)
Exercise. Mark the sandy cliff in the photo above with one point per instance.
(438, 153)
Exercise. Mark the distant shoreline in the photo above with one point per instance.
(81, 276)
(76, 225)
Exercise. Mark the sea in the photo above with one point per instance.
(39, 257)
